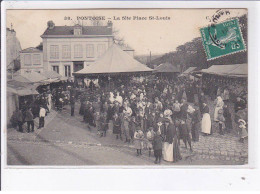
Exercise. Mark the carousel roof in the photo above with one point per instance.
(114, 60)
(236, 70)
(166, 68)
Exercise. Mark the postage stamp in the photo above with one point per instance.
(222, 39)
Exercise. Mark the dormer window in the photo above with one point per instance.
(77, 30)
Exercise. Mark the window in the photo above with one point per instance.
(66, 51)
(100, 49)
(37, 59)
(77, 31)
(27, 59)
(55, 68)
(90, 51)
(67, 72)
(54, 52)
(78, 51)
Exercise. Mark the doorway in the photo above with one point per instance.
(78, 65)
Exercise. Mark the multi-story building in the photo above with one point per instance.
(31, 60)
(68, 49)
(13, 46)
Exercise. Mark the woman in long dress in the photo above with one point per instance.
(206, 122)
(138, 140)
(168, 144)
(219, 105)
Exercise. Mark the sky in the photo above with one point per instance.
(157, 36)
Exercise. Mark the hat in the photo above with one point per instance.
(242, 121)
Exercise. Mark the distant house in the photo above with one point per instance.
(31, 60)
(68, 49)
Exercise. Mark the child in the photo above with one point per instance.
(103, 124)
(117, 126)
(150, 136)
(138, 140)
(157, 147)
(243, 131)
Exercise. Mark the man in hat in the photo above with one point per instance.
(29, 120)
(185, 134)
(41, 116)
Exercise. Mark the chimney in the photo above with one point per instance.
(50, 24)
(109, 24)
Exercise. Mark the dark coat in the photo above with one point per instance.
(116, 125)
(170, 133)
(205, 109)
(28, 115)
(157, 142)
(196, 116)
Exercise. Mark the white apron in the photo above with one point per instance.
(206, 123)
(168, 152)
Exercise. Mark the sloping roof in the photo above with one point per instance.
(86, 30)
(189, 70)
(21, 88)
(166, 68)
(114, 60)
(32, 77)
(51, 74)
(236, 70)
(30, 50)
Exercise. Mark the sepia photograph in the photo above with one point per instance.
(127, 87)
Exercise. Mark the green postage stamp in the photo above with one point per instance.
(222, 39)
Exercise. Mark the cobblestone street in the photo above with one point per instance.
(66, 140)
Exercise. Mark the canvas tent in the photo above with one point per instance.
(113, 61)
(166, 68)
(236, 70)
(32, 77)
(188, 71)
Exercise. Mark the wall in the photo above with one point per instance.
(31, 67)
(48, 62)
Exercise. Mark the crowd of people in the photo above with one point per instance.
(158, 114)
(155, 114)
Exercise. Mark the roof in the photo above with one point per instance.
(51, 74)
(32, 77)
(166, 68)
(86, 30)
(31, 50)
(236, 70)
(114, 60)
(189, 70)
(21, 88)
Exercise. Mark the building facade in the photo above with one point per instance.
(31, 60)
(68, 49)
(13, 46)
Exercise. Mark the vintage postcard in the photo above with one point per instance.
(126, 87)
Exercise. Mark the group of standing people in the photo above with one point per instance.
(153, 115)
